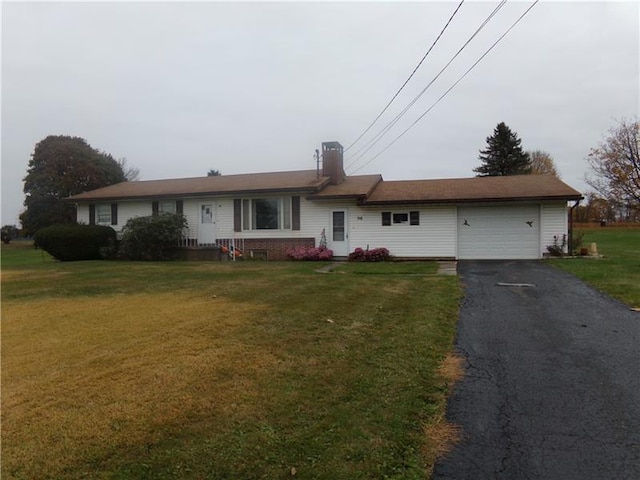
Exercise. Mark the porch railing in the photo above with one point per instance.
(232, 247)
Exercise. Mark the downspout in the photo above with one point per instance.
(570, 243)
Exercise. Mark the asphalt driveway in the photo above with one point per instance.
(552, 385)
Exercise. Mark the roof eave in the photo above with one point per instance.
(451, 201)
(336, 197)
(192, 194)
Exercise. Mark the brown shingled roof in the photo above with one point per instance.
(352, 187)
(369, 189)
(304, 180)
(478, 189)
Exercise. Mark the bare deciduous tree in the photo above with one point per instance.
(542, 163)
(616, 165)
(131, 173)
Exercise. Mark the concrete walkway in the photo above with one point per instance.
(447, 267)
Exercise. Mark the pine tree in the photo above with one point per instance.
(504, 155)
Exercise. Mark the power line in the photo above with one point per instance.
(450, 88)
(407, 80)
(375, 139)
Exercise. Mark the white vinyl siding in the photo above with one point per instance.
(126, 210)
(435, 236)
(499, 232)
(554, 220)
(191, 211)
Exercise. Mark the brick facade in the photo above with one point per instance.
(276, 248)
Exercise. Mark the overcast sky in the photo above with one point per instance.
(178, 89)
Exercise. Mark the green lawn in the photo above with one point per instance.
(244, 370)
(618, 272)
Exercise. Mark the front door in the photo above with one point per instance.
(339, 233)
(207, 227)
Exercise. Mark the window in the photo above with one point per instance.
(266, 213)
(338, 226)
(167, 206)
(400, 218)
(103, 214)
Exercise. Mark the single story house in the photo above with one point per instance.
(513, 217)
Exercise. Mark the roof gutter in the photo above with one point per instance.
(455, 201)
(74, 199)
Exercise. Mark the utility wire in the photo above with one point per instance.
(372, 142)
(450, 88)
(407, 80)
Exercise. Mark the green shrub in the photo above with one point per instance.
(156, 237)
(75, 242)
(8, 233)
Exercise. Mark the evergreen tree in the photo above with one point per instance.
(504, 155)
(62, 166)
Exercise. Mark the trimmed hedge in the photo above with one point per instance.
(156, 237)
(75, 242)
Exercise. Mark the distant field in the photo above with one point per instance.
(249, 370)
(618, 272)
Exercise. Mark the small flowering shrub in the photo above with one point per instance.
(558, 247)
(310, 253)
(373, 255)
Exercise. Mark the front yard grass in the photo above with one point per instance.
(221, 370)
(618, 272)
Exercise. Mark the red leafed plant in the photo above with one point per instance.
(373, 255)
(310, 253)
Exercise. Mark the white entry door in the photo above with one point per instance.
(207, 227)
(339, 233)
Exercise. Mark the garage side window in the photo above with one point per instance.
(400, 218)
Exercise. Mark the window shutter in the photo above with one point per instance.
(114, 214)
(237, 215)
(386, 218)
(154, 208)
(92, 214)
(414, 218)
(295, 213)
(179, 207)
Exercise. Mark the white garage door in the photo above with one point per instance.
(499, 232)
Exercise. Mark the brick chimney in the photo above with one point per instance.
(332, 165)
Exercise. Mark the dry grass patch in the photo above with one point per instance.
(452, 368)
(183, 370)
(441, 436)
(7, 275)
(92, 373)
